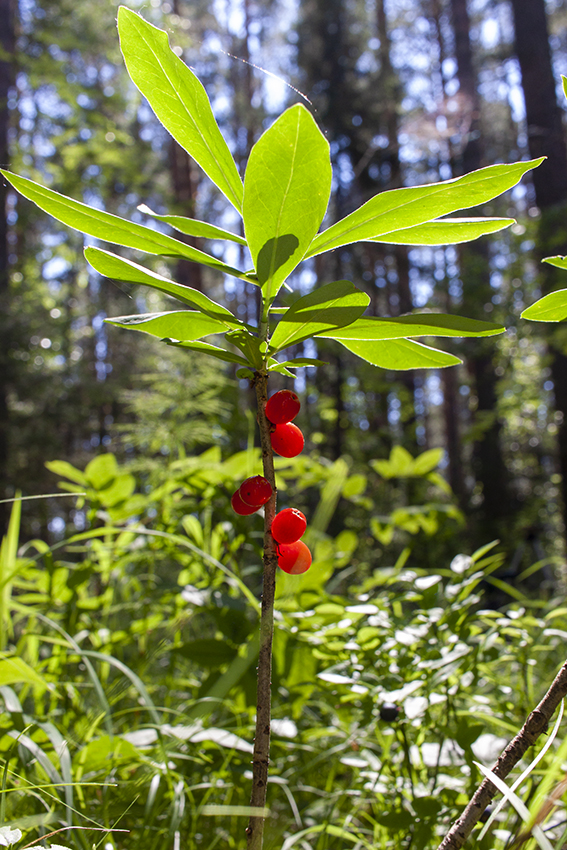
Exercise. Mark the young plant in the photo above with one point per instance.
(282, 202)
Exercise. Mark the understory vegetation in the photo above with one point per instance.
(139, 639)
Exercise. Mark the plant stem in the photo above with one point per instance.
(536, 723)
(260, 761)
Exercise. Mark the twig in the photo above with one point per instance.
(260, 761)
(536, 723)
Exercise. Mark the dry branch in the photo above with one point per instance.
(536, 723)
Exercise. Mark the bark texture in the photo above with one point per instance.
(260, 760)
(536, 723)
(546, 138)
(6, 82)
(488, 463)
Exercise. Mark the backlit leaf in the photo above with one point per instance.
(111, 228)
(194, 227)
(399, 354)
(411, 206)
(15, 670)
(118, 268)
(212, 350)
(330, 306)
(414, 325)
(181, 324)
(552, 307)
(299, 362)
(449, 231)
(249, 345)
(179, 100)
(286, 191)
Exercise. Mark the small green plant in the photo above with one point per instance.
(282, 203)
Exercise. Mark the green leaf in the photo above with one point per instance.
(244, 373)
(180, 324)
(101, 471)
(62, 467)
(118, 268)
(427, 461)
(399, 354)
(194, 227)
(414, 325)
(330, 306)
(281, 368)
(286, 192)
(14, 670)
(249, 345)
(445, 232)
(119, 490)
(400, 208)
(399, 464)
(178, 99)
(299, 362)
(212, 350)
(112, 228)
(550, 308)
(207, 652)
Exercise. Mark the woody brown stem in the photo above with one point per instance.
(260, 761)
(536, 723)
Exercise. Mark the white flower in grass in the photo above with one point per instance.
(58, 847)
(9, 836)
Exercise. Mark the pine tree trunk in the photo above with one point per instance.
(6, 82)
(546, 138)
(489, 466)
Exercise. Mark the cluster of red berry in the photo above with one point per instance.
(289, 525)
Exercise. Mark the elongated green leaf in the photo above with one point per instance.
(118, 268)
(399, 464)
(249, 345)
(427, 461)
(13, 670)
(403, 465)
(560, 262)
(330, 306)
(449, 231)
(180, 325)
(300, 362)
(112, 228)
(213, 350)
(178, 99)
(414, 325)
(286, 192)
(550, 308)
(408, 207)
(194, 227)
(399, 354)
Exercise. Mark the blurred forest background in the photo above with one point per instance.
(407, 92)
(130, 615)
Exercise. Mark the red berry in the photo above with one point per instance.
(282, 407)
(241, 507)
(294, 558)
(287, 440)
(255, 491)
(288, 526)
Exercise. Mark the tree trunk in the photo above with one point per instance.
(184, 191)
(6, 82)
(389, 82)
(546, 138)
(489, 466)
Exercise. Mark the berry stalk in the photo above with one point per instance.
(260, 760)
